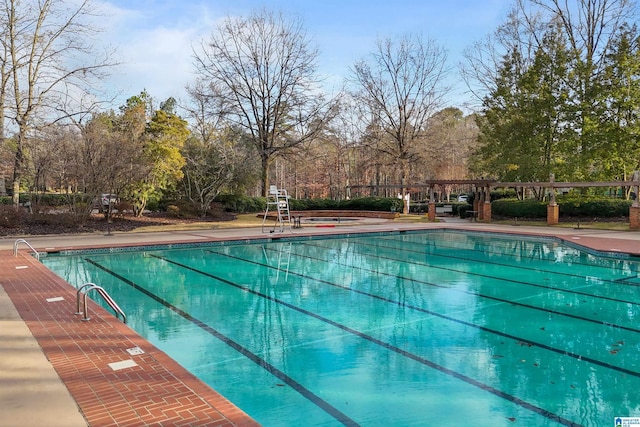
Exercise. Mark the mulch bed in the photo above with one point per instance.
(27, 224)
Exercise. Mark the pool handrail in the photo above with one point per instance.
(15, 248)
(88, 287)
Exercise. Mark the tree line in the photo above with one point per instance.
(557, 85)
(562, 96)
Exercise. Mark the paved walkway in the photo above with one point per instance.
(31, 392)
(56, 370)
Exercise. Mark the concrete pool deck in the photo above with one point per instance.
(57, 370)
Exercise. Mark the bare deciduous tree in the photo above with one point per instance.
(399, 88)
(49, 58)
(590, 25)
(484, 57)
(261, 71)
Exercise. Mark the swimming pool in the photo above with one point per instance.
(398, 329)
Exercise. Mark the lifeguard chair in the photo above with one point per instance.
(277, 201)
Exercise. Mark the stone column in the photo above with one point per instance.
(478, 205)
(553, 213)
(634, 210)
(431, 213)
(553, 210)
(486, 211)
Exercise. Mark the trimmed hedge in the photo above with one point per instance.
(602, 208)
(511, 208)
(7, 200)
(503, 193)
(47, 199)
(243, 204)
(384, 204)
(514, 208)
(596, 208)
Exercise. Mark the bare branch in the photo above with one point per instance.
(50, 62)
(398, 88)
(262, 70)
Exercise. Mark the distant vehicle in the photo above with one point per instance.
(462, 198)
(108, 199)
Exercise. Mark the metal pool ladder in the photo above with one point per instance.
(88, 287)
(15, 248)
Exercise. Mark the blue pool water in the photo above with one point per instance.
(401, 329)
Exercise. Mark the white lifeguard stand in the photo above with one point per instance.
(278, 201)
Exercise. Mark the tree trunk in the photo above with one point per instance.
(403, 180)
(265, 175)
(17, 172)
(16, 192)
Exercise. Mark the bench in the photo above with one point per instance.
(448, 209)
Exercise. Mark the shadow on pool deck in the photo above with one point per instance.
(55, 369)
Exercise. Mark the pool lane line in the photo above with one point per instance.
(485, 387)
(445, 317)
(478, 294)
(550, 272)
(482, 240)
(616, 281)
(308, 394)
(471, 273)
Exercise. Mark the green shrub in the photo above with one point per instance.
(514, 208)
(241, 204)
(153, 205)
(380, 204)
(595, 207)
(503, 193)
(49, 199)
(53, 200)
(296, 204)
(315, 204)
(7, 200)
(251, 204)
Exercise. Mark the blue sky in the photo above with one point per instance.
(154, 38)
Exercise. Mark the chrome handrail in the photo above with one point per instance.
(15, 248)
(87, 287)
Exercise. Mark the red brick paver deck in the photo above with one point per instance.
(156, 391)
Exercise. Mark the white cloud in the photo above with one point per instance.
(158, 60)
(155, 38)
(154, 49)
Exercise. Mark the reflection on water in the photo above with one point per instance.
(401, 329)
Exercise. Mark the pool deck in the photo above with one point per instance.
(57, 370)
